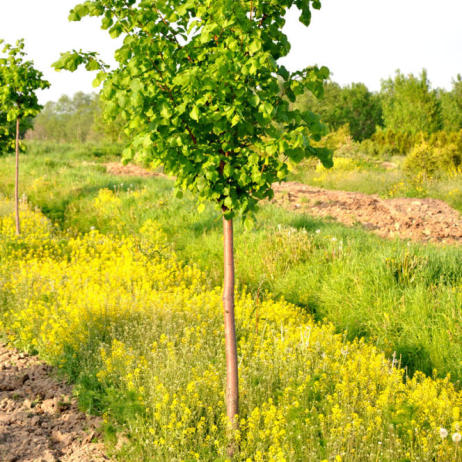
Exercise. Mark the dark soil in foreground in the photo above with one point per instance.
(39, 419)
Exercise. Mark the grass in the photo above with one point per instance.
(141, 335)
(403, 297)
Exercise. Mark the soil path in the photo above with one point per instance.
(427, 220)
(39, 419)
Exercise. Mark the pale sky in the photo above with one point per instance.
(359, 40)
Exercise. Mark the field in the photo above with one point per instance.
(349, 345)
(382, 176)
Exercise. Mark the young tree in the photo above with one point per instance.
(197, 83)
(451, 105)
(410, 105)
(19, 81)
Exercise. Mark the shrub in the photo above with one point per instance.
(433, 160)
(422, 158)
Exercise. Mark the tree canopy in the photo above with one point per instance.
(19, 81)
(451, 106)
(410, 105)
(198, 86)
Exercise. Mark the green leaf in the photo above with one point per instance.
(99, 79)
(228, 203)
(194, 113)
(165, 111)
(235, 120)
(283, 72)
(254, 47)
(115, 31)
(106, 22)
(227, 170)
(266, 108)
(92, 65)
(305, 17)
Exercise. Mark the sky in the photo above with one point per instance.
(358, 40)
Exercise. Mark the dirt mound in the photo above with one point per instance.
(427, 220)
(116, 168)
(39, 419)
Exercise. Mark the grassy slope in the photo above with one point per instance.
(406, 298)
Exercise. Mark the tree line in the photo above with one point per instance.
(75, 119)
(405, 104)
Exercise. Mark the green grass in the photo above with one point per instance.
(406, 298)
(141, 337)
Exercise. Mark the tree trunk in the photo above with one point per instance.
(232, 381)
(16, 186)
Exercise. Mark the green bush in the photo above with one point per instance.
(450, 157)
(423, 158)
(433, 160)
(389, 143)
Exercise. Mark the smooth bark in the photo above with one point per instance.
(16, 185)
(232, 381)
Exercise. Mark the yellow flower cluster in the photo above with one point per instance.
(151, 329)
(344, 167)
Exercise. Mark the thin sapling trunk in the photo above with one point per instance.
(232, 381)
(16, 185)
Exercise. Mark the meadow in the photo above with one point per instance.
(349, 345)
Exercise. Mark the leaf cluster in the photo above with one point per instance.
(19, 81)
(202, 93)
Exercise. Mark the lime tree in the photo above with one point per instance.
(19, 81)
(201, 91)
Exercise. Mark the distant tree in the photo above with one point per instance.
(68, 119)
(327, 106)
(361, 110)
(19, 81)
(197, 83)
(410, 105)
(76, 119)
(451, 105)
(353, 105)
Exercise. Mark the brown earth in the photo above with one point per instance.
(427, 220)
(39, 419)
(116, 168)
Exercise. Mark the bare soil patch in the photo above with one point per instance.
(39, 419)
(116, 168)
(426, 220)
